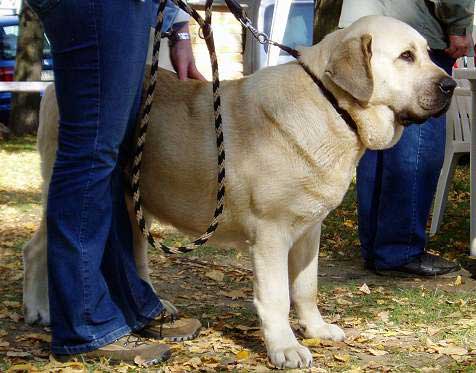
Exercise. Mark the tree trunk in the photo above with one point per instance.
(326, 18)
(24, 113)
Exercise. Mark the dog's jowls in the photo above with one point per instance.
(290, 159)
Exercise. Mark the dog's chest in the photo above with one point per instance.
(322, 192)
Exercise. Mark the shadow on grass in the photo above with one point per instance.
(19, 197)
(19, 144)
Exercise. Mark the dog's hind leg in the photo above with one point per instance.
(140, 244)
(271, 298)
(35, 282)
(141, 256)
(303, 270)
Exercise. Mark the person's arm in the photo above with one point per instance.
(457, 17)
(181, 54)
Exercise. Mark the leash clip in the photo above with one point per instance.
(260, 36)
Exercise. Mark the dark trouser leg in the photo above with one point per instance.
(395, 189)
(99, 50)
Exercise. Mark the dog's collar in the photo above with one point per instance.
(331, 98)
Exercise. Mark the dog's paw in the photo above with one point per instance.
(293, 356)
(36, 307)
(36, 312)
(325, 331)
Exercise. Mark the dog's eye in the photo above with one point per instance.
(408, 56)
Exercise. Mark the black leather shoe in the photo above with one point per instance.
(425, 265)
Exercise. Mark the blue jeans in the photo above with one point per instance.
(99, 49)
(395, 189)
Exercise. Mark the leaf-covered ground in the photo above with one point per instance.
(393, 324)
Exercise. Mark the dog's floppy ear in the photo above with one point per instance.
(349, 67)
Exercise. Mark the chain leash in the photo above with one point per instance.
(237, 10)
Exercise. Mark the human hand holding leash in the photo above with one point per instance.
(459, 46)
(182, 59)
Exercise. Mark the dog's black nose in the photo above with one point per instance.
(447, 86)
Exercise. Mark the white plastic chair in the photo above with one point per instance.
(458, 142)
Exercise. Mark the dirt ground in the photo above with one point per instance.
(393, 324)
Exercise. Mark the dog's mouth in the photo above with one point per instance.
(406, 118)
(432, 101)
(436, 100)
(442, 110)
(435, 105)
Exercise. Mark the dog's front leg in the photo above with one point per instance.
(303, 269)
(271, 298)
(141, 246)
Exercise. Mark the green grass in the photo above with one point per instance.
(412, 306)
(19, 145)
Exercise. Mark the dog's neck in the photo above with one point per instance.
(318, 56)
(313, 61)
(345, 115)
(375, 123)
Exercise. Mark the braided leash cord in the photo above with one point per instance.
(145, 120)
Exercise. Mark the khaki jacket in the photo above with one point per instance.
(434, 19)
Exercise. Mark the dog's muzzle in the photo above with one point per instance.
(435, 98)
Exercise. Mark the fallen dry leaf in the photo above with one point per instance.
(451, 350)
(458, 281)
(11, 303)
(312, 342)
(364, 289)
(37, 336)
(433, 330)
(354, 369)
(70, 367)
(4, 344)
(22, 368)
(140, 361)
(374, 366)
(436, 369)
(384, 316)
(14, 316)
(342, 357)
(245, 328)
(194, 362)
(243, 355)
(18, 354)
(343, 302)
(377, 352)
(233, 294)
(215, 275)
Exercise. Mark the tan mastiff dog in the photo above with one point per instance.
(290, 160)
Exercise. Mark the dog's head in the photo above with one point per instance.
(388, 78)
